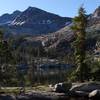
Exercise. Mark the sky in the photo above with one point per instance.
(66, 8)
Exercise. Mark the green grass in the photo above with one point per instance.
(41, 88)
(9, 90)
(16, 90)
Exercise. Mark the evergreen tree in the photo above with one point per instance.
(6, 69)
(79, 27)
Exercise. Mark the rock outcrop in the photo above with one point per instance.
(95, 94)
(86, 87)
(62, 87)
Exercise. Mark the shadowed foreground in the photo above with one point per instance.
(41, 96)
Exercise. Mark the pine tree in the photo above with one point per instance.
(79, 27)
(6, 70)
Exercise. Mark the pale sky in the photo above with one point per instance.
(67, 8)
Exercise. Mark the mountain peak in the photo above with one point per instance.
(34, 21)
(97, 12)
(16, 12)
(30, 8)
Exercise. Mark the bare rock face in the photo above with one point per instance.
(95, 18)
(96, 12)
(8, 18)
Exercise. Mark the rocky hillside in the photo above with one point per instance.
(52, 30)
(61, 39)
(8, 18)
(94, 19)
(93, 29)
(33, 21)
